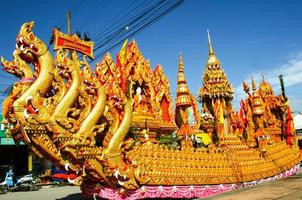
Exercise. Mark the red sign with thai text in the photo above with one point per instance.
(73, 42)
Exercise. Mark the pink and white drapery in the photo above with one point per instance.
(192, 191)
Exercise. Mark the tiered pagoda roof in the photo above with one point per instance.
(186, 106)
(215, 82)
(183, 95)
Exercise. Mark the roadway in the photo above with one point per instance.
(289, 188)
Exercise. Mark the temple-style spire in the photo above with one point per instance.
(210, 43)
(216, 93)
(182, 92)
(253, 84)
(215, 82)
(180, 63)
(258, 108)
(212, 60)
(186, 112)
(265, 89)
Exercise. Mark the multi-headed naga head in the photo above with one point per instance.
(63, 63)
(29, 45)
(17, 67)
(12, 67)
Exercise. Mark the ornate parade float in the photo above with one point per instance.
(116, 127)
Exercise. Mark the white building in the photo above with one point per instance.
(298, 122)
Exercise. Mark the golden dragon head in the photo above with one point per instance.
(64, 64)
(17, 67)
(12, 67)
(29, 45)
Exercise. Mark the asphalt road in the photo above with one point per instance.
(284, 189)
(51, 193)
(289, 188)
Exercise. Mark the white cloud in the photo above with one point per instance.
(292, 75)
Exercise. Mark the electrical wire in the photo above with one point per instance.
(130, 22)
(144, 9)
(98, 11)
(109, 27)
(79, 6)
(135, 21)
(74, 11)
(138, 26)
(5, 75)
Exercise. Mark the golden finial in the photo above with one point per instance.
(253, 84)
(210, 43)
(181, 75)
(182, 92)
(180, 64)
(212, 60)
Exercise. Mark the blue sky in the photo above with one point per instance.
(249, 37)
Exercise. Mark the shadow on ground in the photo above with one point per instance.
(76, 196)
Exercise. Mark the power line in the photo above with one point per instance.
(74, 12)
(79, 6)
(98, 11)
(148, 13)
(138, 26)
(6, 75)
(109, 27)
(129, 22)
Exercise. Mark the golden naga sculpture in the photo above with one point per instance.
(116, 128)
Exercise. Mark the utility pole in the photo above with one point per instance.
(68, 15)
(284, 109)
